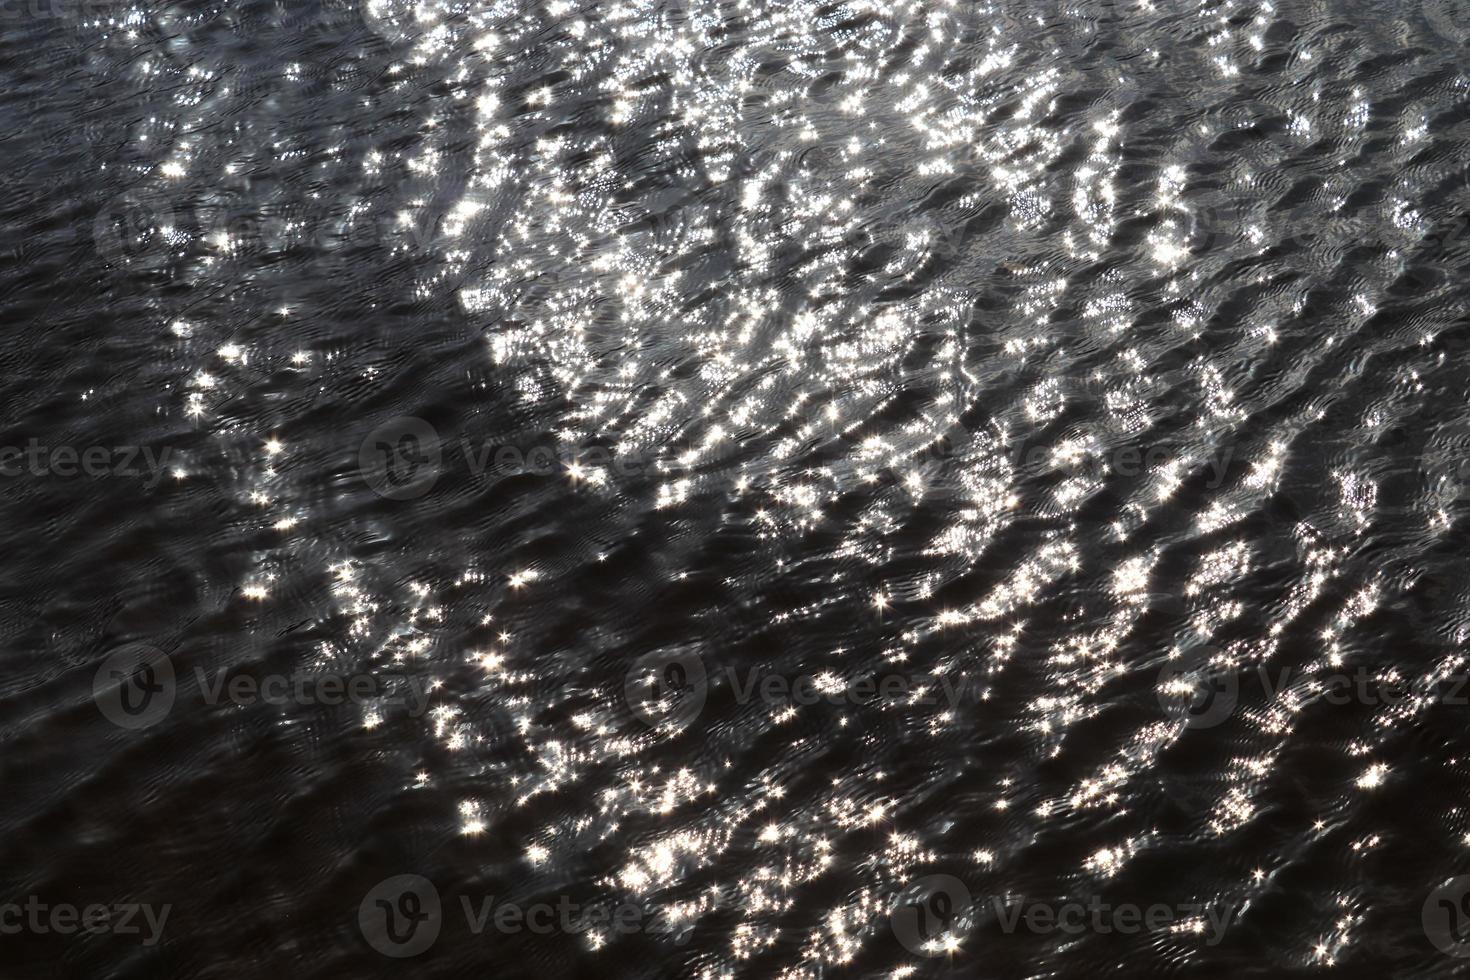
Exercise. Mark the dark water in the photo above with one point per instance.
(837, 485)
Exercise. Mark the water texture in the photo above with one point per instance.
(789, 489)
